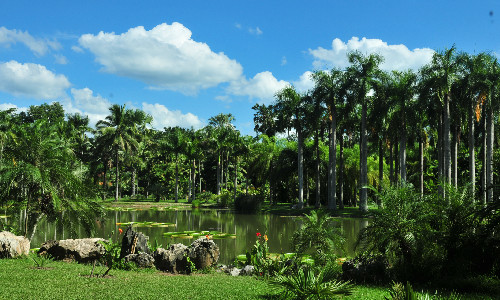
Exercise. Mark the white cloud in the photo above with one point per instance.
(77, 49)
(255, 30)
(86, 103)
(262, 86)
(283, 61)
(5, 106)
(164, 57)
(31, 80)
(163, 117)
(61, 59)
(305, 82)
(397, 57)
(38, 46)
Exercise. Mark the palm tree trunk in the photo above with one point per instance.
(117, 177)
(193, 195)
(485, 163)
(363, 177)
(454, 154)
(199, 172)
(218, 173)
(391, 164)
(227, 171)
(341, 172)
(472, 159)
(446, 139)
(300, 167)
(380, 165)
(190, 184)
(421, 159)
(176, 178)
(133, 182)
(317, 203)
(396, 161)
(332, 161)
(402, 154)
(235, 178)
(440, 156)
(489, 154)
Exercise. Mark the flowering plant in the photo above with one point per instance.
(258, 257)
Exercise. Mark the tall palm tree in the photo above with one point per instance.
(290, 111)
(220, 129)
(119, 132)
(364, 70)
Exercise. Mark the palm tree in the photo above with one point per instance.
(330, 89)
(220, 129)
(290, 111)
(364, 70)
(39, 178)
(120, 132)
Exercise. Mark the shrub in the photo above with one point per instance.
(248, 203)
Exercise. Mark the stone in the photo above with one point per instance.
(204, 253)
(173, 259)
(134, 243)
(248, 270)
(235, 271)
(141, 260)
(80, 250)
(12, 245)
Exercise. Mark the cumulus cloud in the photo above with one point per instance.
(61, 59)
(163, 117)
(262, 86)
(305, 82)
(397, 57)
(84, 102)
(31, 80)
(6, 106)
(165, 57)
(38, 46)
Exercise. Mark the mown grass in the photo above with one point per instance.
(19, 279)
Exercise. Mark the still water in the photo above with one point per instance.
(279, 229)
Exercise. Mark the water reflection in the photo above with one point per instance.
(278, 228)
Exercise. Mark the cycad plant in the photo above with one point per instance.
(311, 283)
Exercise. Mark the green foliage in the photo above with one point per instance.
(225, 197)
(311, 283)
(318, 234)
(111, 257)
(250, 203)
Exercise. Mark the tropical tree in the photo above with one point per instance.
(363, 70)
(119, 132)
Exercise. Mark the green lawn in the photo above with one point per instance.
(19, 279)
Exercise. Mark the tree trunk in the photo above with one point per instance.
(446, 139)
(199, 172)
(235, 178)
(193, 195)
(402, 154)
(218, 173)
(317, 203)
(332, 161)
(363, 177)
(176, 179)
(300, 167)
(490, 124)
(133, 182)
(440, 156)
(117, 177)
(485, 163)
(396, 162)
(421, 159)
(341, 171)
(454, 155)
(391, 164)
(472, 159)
(190, 183)
(380, 165)
(227, 171)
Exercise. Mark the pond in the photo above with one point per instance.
(242, 227)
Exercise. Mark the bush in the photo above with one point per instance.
(248, 203)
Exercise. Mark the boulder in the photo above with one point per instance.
(248, 270)
(134, 242)
(12, 245)
(141, 260)
(204, 253)
(173, 259)
(80, 250)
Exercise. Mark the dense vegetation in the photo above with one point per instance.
(421, 145)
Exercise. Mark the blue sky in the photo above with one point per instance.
(185, 61)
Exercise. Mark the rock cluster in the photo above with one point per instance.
(12, 246)
(80, 250)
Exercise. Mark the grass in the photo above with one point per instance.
(19, 279)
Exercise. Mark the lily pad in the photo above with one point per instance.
(146, 224)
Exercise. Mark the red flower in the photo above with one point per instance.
(120, 230)
(207, 236)
(258, 234)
